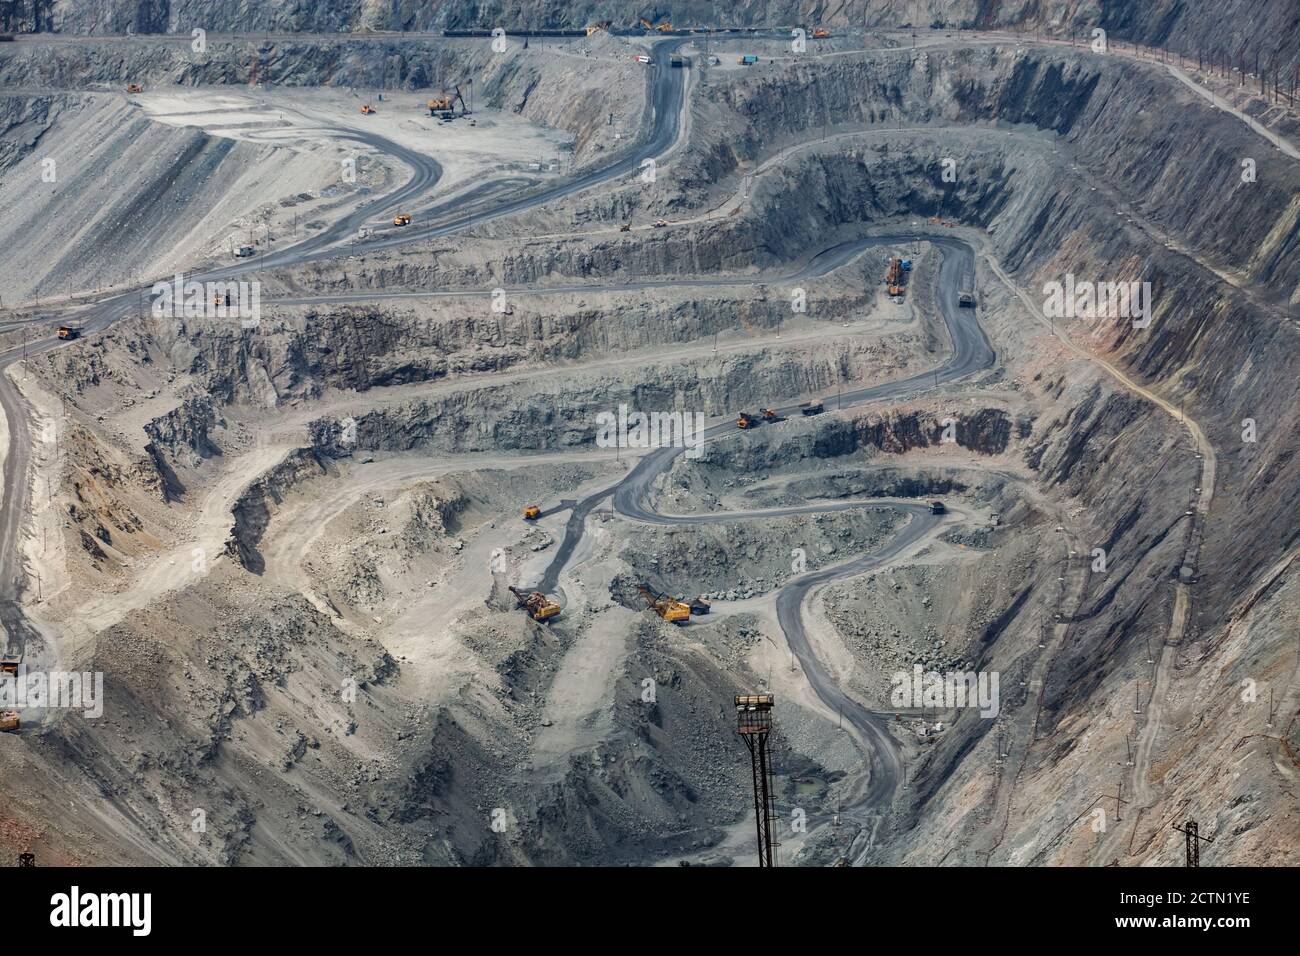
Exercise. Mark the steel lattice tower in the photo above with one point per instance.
(1194, 838)
(754, 724)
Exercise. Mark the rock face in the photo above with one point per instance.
(23, 122)
(1258, 24)
(185, 427)
(252, 511)
(198, 669)
(573, 94)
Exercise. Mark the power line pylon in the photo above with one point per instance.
(754, 724)
(1194, 839)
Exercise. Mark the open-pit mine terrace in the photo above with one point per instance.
(367, 582)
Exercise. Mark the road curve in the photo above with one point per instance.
(665, 92)
(971, 353)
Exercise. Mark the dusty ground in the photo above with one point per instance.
(289, 548)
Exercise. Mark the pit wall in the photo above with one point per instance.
(1175, 25)
(1042, 225)
(1182, 166)
(532, 83)
(555, 413)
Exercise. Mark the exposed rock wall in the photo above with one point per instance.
(573, 93)
(1176, 24)
(253, 509)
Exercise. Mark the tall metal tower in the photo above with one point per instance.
(754, 724)
(1194, 838)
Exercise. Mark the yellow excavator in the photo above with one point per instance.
(537, 604)
(8, 720)
(669, 608)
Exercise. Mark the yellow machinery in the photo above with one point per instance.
(401, 220)
(665, 27)
(68, 332)
(598, 27)
(770, 415)
(626, 227)
(134, 88)
(532, 513)
(445, 105)
(669, 608)
(8, 720)
(660, 223)
(368, 109)
(537, 604)
(744, 421)
(821, 34)
(895, 274)
(645, 24)
(9, 664)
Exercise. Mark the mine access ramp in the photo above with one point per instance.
(966, 293)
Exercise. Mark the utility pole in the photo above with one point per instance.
(754, 724)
